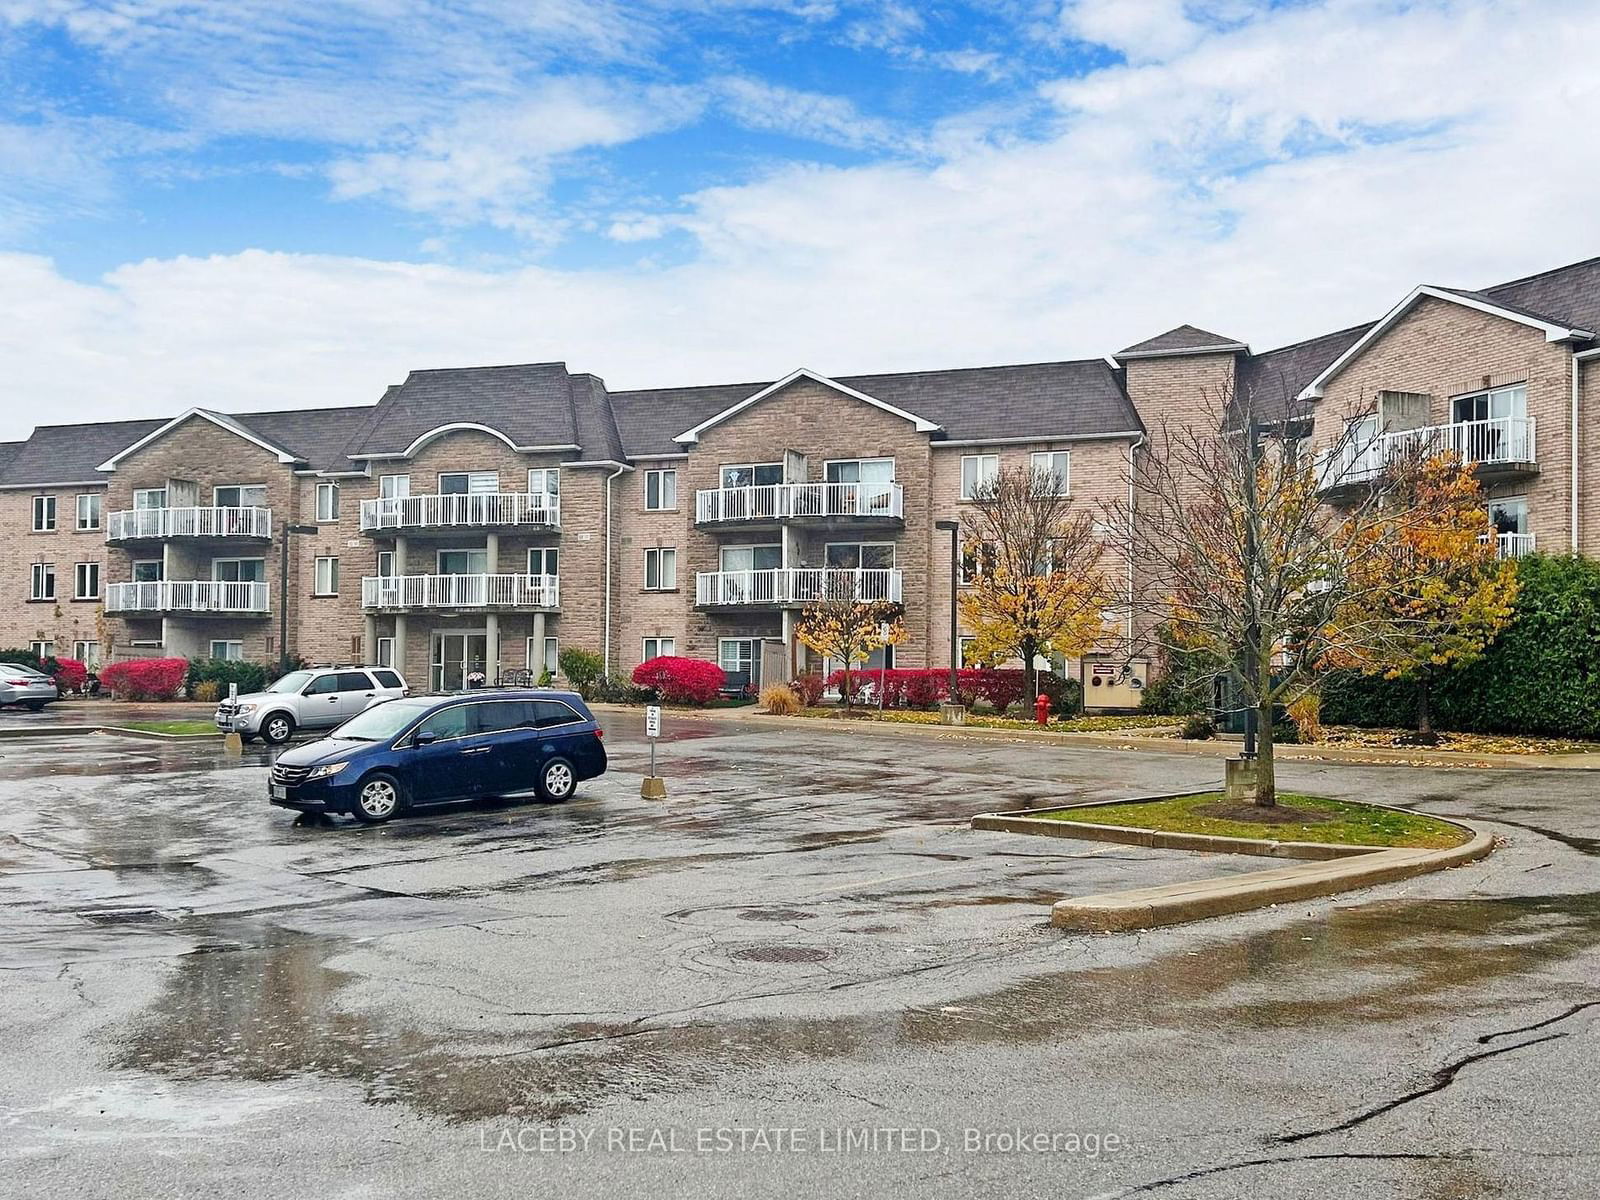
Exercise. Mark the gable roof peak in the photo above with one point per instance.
(922, 425)
(1183, 339)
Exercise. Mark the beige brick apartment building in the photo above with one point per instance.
(479, 519)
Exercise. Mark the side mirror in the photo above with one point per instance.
(425, 737)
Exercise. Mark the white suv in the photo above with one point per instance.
(318, 698)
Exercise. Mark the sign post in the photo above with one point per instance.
(653, 787)
(233, 743)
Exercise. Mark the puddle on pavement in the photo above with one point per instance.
(775, 914)
(274, 1012)
(783, 955)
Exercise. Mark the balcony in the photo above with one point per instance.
(791, 587)
(385, 593)
(1501, 446)
(158, 524)
(771, 503)
(199, 597)
(479, 510)
(1512, 545)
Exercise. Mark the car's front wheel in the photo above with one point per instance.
(277, 729)
(378, 798)
(557, 781)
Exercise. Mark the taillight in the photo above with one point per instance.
(599, 733)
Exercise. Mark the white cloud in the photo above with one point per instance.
(832, 120)
(1140, 29)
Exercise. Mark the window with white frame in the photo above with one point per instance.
(967, 641)
(1057, 465)
(468, 483)
(385, 652)
(43, 581)
(88, 653)
(148, 570)
(661, 489)
(1493, 404)
(386, 562)
(975, 561)
(42, 650)
(542, 657)
(86, 581)
(233, 651)
(660, 568)
(240, 495)
(146, 499)
(658, 647)
(543, 560)
(859, 470)
(89, 510)
(327, 501)
(239, 570)
(738, 475)
(545, 481)
(394, 487)
(326, 576)
(44, 514)
(978, 472)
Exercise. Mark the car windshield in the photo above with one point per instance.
(382, 721)
(292, 682)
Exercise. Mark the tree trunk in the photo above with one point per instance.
(1266, 770)
(1425, 734)
(1030, 674)
(849, 692)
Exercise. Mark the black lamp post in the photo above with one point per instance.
(954, 529)
(283, 593)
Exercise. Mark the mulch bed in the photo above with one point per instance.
(1278, 814)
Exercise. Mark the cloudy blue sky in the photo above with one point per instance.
(278, 203)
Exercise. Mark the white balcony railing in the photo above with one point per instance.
(475, 510)
(189, 522)
(1498, 440)
(783, 501)
(796, 585)
(188, 595)
(460, 591)
(1512, 545)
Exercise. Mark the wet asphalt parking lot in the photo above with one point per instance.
(801, 975)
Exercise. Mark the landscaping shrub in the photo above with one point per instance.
(681, 680)
(70, 674)
(611, 689)
(780, 700)
(924, 688)
(582, 668)
(145, 678)
(1198, 728)
(1066, 695)
(1541, 676)
(809, 687)
(27, 658)
(250, 676)
(207, 691)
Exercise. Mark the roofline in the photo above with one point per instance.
(220, 420)
(922, 424)
(1214, 348)
(598, 462)
(658, 457)
(1119, 436)
(1552, 332)
(456, 427)
(17, 487)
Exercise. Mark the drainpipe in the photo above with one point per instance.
(607, 651)
(1133, 448)
(1577, 367)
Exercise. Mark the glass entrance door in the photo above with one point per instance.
(457, 658)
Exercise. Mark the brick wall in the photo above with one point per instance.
(63, 620)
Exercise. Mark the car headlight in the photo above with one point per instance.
(245, 708)
(327, 769)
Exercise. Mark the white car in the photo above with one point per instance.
(318, 698)
(25, 686)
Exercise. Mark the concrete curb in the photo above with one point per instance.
(51, 731)
(1332, 868)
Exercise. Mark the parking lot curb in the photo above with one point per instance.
(1330, 868)
(53, 731)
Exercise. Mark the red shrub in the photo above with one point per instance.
(70, 674)
(145, 678)
(925, 688)
(809, 687)
(681, 680)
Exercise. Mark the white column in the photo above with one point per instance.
(491, 647)
(399, 556)
(400, 650)
(369, 640)
(491, 544)
(788, 642)
(538, 644)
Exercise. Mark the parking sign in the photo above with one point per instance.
(652, 720)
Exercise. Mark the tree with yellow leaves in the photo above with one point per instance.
(847, 627)
(1451, 593)
(1037, 588)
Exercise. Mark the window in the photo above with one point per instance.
(1492, 405)
(327, 501)
(859, 470)
(1058, 465)
(232, 651)
(446, 723)
(975, 562)
(552, 712)
(239, 570)
(661, 568)
(240, 496)
(661, 489)
(750, 558)
(463, 562)
(966, 651)
(751, 474)
(322, 685)
(147, 570)
(89, 510)
(145, 499)
(736, 655)
(44, 514)
(44, 581)
(657, 646)
(1509, 514)
(469, 483)
(868, 555)
(353, 681)
(388, 679)
(86, 581)
(42, 649)
(385, 650)
(551, 658)
(504, 715)
(88, 653)
(545, 481)
(543, 560)
(393, 487)
(978, 471)
(326, 581)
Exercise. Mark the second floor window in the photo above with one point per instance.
(542, 560)
(751, 475)
(326, 582)
(661, 489)
(327, 501)
(661, 568)
(44, 514)
(240, 496)
(89, 510)
(393, 487)
(978, 472)
(1057, 466)
(86, 581)
(468, 483)
(43, 582)
(545, 481)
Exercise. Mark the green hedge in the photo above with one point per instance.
(250, 676)
(1541, 676)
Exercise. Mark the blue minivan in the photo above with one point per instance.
(425, 750)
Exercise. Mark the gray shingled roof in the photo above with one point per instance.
(1062, 399)
(530, 403)
(1269, 381)
(71, 453)
(1567, 295)
(1176, 341)
(316, 435)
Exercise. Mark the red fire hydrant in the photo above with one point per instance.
(1041, 709)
